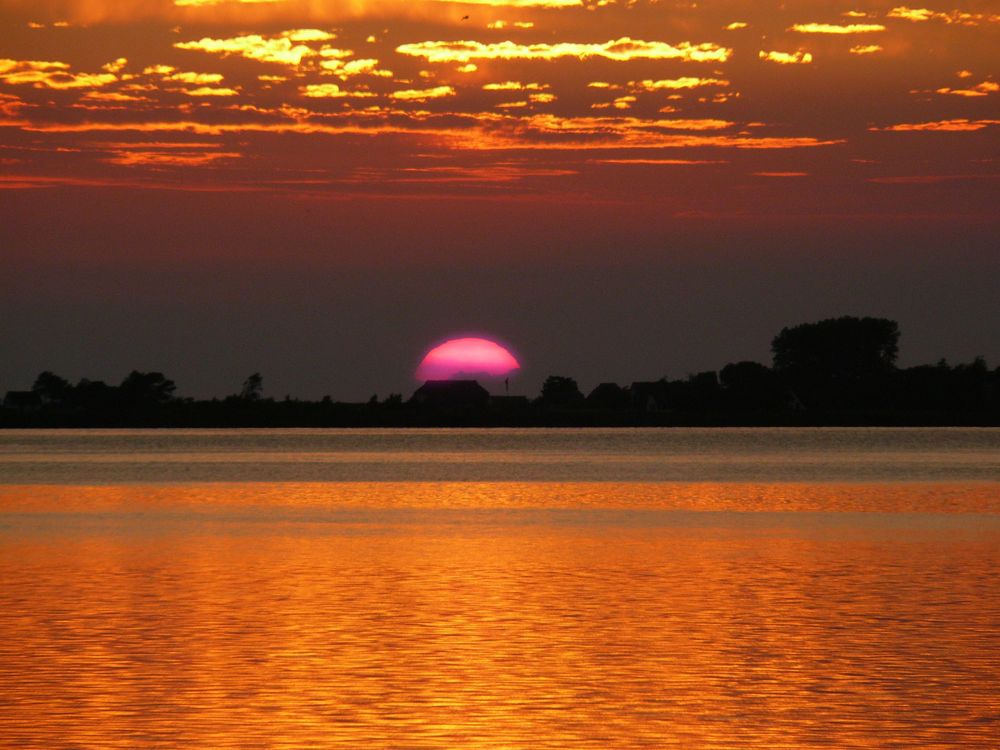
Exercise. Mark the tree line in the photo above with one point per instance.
(835, 371)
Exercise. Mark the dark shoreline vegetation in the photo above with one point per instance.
(835, 372)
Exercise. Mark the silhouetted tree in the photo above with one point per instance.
(51, 388)
(744, 376)
(838, 347)
(561, 391)
(94, 395)
(962, 388)
(971, 384)
(253, 388)
(146, 388)
(839, 362)
(650, 395)
(750, 385)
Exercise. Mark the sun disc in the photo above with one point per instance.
(466, 357)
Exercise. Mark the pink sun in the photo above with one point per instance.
(466, 357)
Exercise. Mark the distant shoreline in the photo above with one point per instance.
(835, 372)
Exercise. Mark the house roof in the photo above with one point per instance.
(452, 388)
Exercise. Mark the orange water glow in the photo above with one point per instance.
(224, 617)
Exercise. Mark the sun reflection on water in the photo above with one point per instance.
(167, 619)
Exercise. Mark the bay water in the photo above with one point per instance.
(716, 588)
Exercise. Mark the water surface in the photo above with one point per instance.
(516, 589)
(601, 455)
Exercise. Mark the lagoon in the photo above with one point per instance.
(500, 588)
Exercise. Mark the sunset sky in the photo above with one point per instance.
(620, 189)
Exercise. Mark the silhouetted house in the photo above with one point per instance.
(22, 401)
(509, 403)
(451, 394)
(650, 395)
(608, 396)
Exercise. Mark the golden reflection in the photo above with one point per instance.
(852, 497)
(491, 632)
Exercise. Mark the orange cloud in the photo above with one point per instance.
(516, 24)
(829, 28)
(10, 105)
(150, 158)
(200, 79)
(634, 132)
(151, 145)
(285, 49)
(980, 89)
(865, 49)
(295, 123)
(659, 162)
(621, 49)
(331, 91)
(115, 66)
(113, 96)
(687, 82)
(702, 124)
(515, 86)
(210, 91)
(423, 94)
(956, 16)
(487, 173)
(363, 66)
(948, 126)
(48, 74)
(485, 131)
(787, 58)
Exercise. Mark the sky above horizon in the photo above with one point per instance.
(621, 190)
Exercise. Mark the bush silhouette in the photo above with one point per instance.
(558, 390)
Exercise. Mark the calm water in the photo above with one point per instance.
(500, 589)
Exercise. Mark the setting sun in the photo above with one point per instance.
(466, 357)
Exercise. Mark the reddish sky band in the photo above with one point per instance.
(541, 97)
